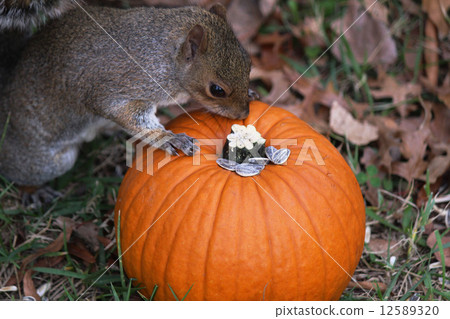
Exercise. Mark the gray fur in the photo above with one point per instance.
(72, 79)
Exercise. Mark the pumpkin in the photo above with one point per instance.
(293, 232)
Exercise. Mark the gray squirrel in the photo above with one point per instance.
(72, 80)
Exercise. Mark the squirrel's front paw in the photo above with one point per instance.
(182, 142)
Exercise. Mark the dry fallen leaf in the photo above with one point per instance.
(399, 92)
(439, 164)
(368, 285)
(369, 39)
(413, 148)
(273, 47)
(432, 243)
(437, 12)
(411, 7)
(246, 17)
(28, 286)
(343, 123)
(88, 232)
(278, 83)
(309, 32)
(380, 247)
(79, 250)
(54, 246)
(377, 10)
(431, 53)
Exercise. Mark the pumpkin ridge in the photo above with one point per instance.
(163, 201)
(211, 234)
(149, 180)
(344, 234)
(130, 203)
(239, 244)
(275, 125)
(339, 186)
(174, 238)
(268, 236)
(308, 234)
(331, 178)
(223, 127)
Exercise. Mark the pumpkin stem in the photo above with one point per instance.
(243, 143)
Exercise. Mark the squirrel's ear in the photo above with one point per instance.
(195, 41)
(220, 10)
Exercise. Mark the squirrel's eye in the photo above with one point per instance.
(217, 91)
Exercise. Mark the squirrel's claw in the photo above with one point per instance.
(35, 198)
(184, 143)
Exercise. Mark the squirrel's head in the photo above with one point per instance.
(216, 66)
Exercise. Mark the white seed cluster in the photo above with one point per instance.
(244, 137)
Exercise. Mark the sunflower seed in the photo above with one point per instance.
(270, 151)
(247, 169)
(259, 160)
(226, 164)
(281, 156)
(28, 298)
(8, 288)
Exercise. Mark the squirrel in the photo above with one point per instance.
(95, 66)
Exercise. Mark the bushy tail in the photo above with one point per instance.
(24, 14)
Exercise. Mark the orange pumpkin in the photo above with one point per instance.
(294, 232)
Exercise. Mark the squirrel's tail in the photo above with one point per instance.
(23, 14)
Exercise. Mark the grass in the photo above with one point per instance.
(90, 189)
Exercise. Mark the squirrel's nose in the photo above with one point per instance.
(244, 114)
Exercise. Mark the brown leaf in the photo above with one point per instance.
(399, 93)
(343, 123)
(79, 250)
(309, 32)
(369, 38)
(377, 10)
(431, 53)
(278, 83)
(247, 16)
(439, 164)
(389, 141)
(432, 243)
(28, 286)
(104, 241)
(442, 92)
(273, 46)
(413, 48)
(413, 148)
(380, 247)
(55, 246)
(411, 7)
(368, 285)
(88, 232)
(437, 12)
(369, 157)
